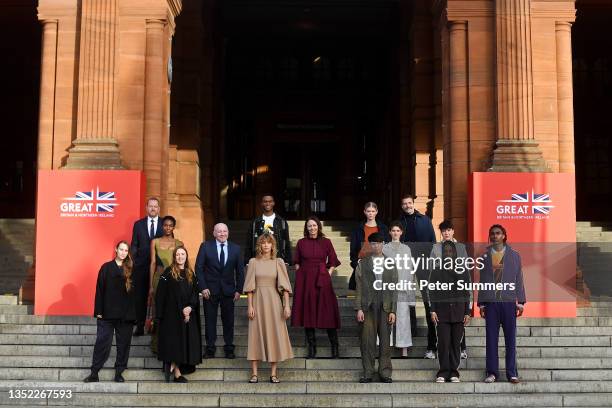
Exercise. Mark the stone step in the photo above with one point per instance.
(16, 309)
(8, 300)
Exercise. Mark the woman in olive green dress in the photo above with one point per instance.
(162, 249)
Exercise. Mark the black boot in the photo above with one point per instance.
(312, 343)
(333, 340)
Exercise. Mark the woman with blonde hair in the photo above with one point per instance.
(115, 310)
(266, 279)
(178, 313)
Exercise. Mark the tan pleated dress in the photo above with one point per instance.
(268, 336)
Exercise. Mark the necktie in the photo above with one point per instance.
(152, 229)
(222, 256)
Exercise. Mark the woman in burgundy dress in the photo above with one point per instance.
(315, 305)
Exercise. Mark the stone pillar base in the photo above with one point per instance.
(94, 154)
(521, 156)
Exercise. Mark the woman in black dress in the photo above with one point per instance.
(178, 311)
(115, 310)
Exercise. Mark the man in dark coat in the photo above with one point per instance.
(271, 223)
(419, 235)
(220, 271)
(144, 230)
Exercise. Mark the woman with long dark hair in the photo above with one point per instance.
(162, 250)
(315, 305)
(115, 310)
(178, 313)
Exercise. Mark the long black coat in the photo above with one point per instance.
(178, 342)
(113, 301)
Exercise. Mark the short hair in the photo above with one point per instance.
(169, 218)
(446, 224)
(371, 204)
(267, 195)
(314, 218)
(153, 198)
(376, 237)
(396, 224)
(501, 228)
(410, 196)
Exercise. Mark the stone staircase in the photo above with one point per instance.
(562, 362)
(16, 253)
(594, 245)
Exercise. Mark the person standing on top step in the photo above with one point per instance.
(419, 235)
(220, 271)
(447, 232)
(161, 258)
(115, 311)
(359, 238)
(266, 279)
(450, 311)
(145, 230)
(502, 265)
(376, 305)
(269, 223)
(178, 314)
(315, 305)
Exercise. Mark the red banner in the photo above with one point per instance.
(80, 217)
(538, 211)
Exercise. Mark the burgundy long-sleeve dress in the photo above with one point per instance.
(314, 303)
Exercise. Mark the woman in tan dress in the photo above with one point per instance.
(266, 279)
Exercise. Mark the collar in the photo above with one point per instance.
(219, 243)
(154, 219)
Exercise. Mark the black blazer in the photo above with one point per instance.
(113, 301)
(141, 243)
(220, 280)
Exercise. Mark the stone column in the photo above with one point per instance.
(565, 96)
(516, 148)
(95, 146)
(458, 142)
(47, 94)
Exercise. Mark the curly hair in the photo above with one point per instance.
(263, 239)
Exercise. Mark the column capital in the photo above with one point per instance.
(560, 10)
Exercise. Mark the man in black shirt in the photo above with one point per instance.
(270, 223)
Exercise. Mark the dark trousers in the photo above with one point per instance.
(104, 341)
(375, 324)
(501, 314)
(141, 286)
(431, 345)
(211, 306)
(449, 348)
(432, 341)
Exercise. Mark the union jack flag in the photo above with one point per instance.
(540, 198)
(102, 199)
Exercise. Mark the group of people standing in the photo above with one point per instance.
(158, 290)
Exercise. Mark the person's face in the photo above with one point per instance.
(370, 213)
(152, 208)
(267, 203)
(408, 205)
(168, 228)
(122, 251)
(496, 236)
(180, 257)
(396, 233)
(377, 248)
(448, 234)
(313, 228)
(221, 232)
(266, 247)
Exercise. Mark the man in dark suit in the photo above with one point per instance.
(143, 232)
(220, 271)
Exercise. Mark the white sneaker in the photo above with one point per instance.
(440, 380)
(464, 355)
(430, 355)
(490, 379)
(455, 379)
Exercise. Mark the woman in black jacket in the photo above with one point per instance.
(115, 310)
(450, 310)
(359, 237)
(177, 303)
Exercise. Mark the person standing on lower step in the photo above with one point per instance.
(315, 305)
(115, 311)
(376, 306)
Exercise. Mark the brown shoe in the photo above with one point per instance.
(514, 380)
